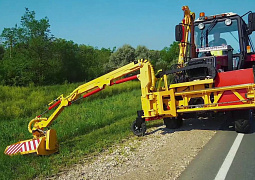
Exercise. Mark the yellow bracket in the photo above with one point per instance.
(35, 122)
(238, 95)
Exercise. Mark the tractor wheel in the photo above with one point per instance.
(138, 130)
(244, 125)
(173, 123)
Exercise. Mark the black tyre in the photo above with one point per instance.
(138, 130)
(244, 125)
(173, 123)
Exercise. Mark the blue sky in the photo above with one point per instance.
(109, 23)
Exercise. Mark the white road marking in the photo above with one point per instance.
(222, 173)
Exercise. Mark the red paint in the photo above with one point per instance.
(153, 118)
(229, 96)
(237, 77)
(25, 147)
(230, 78)
(124, 80)
(92, 92)
(54, 105)
(29, 145)
(250, 57)
(34, 144)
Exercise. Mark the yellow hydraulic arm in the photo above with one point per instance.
(45, 142)
(187, 25)
(89, 88)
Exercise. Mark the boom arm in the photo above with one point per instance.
(45, 142)
(187, 27)
(94, 86)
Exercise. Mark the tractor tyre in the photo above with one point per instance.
(173, 123)
(244, 125)
(138, 130)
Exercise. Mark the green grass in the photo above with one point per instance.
(87, 127)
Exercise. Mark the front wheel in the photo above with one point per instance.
(244, 124)
(138, 129)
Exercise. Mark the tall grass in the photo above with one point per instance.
(83, 128)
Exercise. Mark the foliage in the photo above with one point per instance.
(31, 54)
(142, 52)
(170, 53)
(121, 57)
(154, 57)
(1, 52)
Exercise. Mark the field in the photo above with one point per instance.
(84, 128)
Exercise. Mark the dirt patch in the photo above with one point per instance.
(161, 154)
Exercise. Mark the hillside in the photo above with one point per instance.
(87, 127)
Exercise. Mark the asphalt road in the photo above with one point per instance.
(221, 157)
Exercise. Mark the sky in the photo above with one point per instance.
(113, 23)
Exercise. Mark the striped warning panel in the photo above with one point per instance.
(13, 149)
(22, 147)
(30, 145)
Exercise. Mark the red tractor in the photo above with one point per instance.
(218, 47)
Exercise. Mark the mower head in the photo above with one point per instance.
(43, 145)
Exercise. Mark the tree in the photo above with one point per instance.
(30, 42)
(154, 57)
(65, 57)
(142, 52)
(121, 57)
(2, 50)
(171, 53)
(32, 28)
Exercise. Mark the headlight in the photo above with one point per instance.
(201, 26)
(228, 22)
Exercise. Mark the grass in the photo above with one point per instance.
(87, 127)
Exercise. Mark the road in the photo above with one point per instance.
(227, 155)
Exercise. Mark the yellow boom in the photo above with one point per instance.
(187, 24)
(45, 142)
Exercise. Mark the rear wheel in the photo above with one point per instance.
(173, 123)
(244, 124)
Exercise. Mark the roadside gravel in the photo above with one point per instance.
(160, 154)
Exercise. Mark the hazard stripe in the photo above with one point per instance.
(14, 149)
(9, 148)
(23, 147)
(29, 145)
(37, 142)
(34, 144)
(26, 145)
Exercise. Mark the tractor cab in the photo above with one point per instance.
(225, 35)
(220, 42)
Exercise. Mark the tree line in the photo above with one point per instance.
(30, 54)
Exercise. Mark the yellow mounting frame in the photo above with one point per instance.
(174, 100)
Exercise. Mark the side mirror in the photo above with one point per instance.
(251, 22)
(178, 33)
